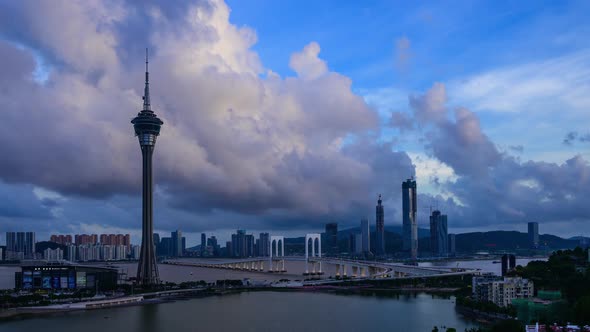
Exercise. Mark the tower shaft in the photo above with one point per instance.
(147, 271)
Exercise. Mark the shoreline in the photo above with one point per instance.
(33, 312)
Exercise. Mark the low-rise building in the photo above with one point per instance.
(63, 276)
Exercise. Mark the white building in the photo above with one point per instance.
(53, 254)
(72, 253)
(135, 251)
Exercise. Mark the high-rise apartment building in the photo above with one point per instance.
(332, 238)
(533, 235)
(61, 239)
(379, 228)
(410, 224)
(85, 239)
(439, 245)
(20, 245)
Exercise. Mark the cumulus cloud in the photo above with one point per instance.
(493, 187)
(233, 139)
(306, 63)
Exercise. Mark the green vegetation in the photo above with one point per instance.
(488, 307)
(569, 272)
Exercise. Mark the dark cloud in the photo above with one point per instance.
(574, 136)
(493, 187)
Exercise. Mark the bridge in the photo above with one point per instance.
(345, 268)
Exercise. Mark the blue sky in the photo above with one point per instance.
(283, 115)
(447, 43)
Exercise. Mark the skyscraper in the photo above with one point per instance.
(332, 238)
(176, 243)
(147, 129)
(203, 242)
(410, 226)
(452, 244)
(239, 243)
(264, 243)
(438, 234)
(249, 246)
(380, 228)
(157, 244)
(21, 242)
(365, 236)
(534, 235)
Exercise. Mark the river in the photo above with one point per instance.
(262, 311)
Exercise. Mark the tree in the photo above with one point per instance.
(508, 326)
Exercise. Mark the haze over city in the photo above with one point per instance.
(285, 116)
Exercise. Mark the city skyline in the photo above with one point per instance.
(337, 128)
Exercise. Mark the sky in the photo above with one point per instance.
(281, 116)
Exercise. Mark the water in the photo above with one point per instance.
(486, 265)
(262, 311)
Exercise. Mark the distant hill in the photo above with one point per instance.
(507, 240)
(465, 242)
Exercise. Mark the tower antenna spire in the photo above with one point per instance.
(146, 94)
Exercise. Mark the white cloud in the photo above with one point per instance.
(563, 81)
(307, 64)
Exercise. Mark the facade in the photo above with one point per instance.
(365, 236)
(97, 252)
(53, 254)
(240, 244)
(501, 291)
(379, 228)
(410, 225)
(61, 239)
(438, 234)
(165, 247)
(63, 277)
(147, 128)
(508, 263)
(212, 243)
(332, 238)
(263, 244)
(85, 239)
(20, 245)
(533, 235)
(249, 246)
(176, 237)
(355, 243)
(115, 239)
(72, 253)
(452, 244)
